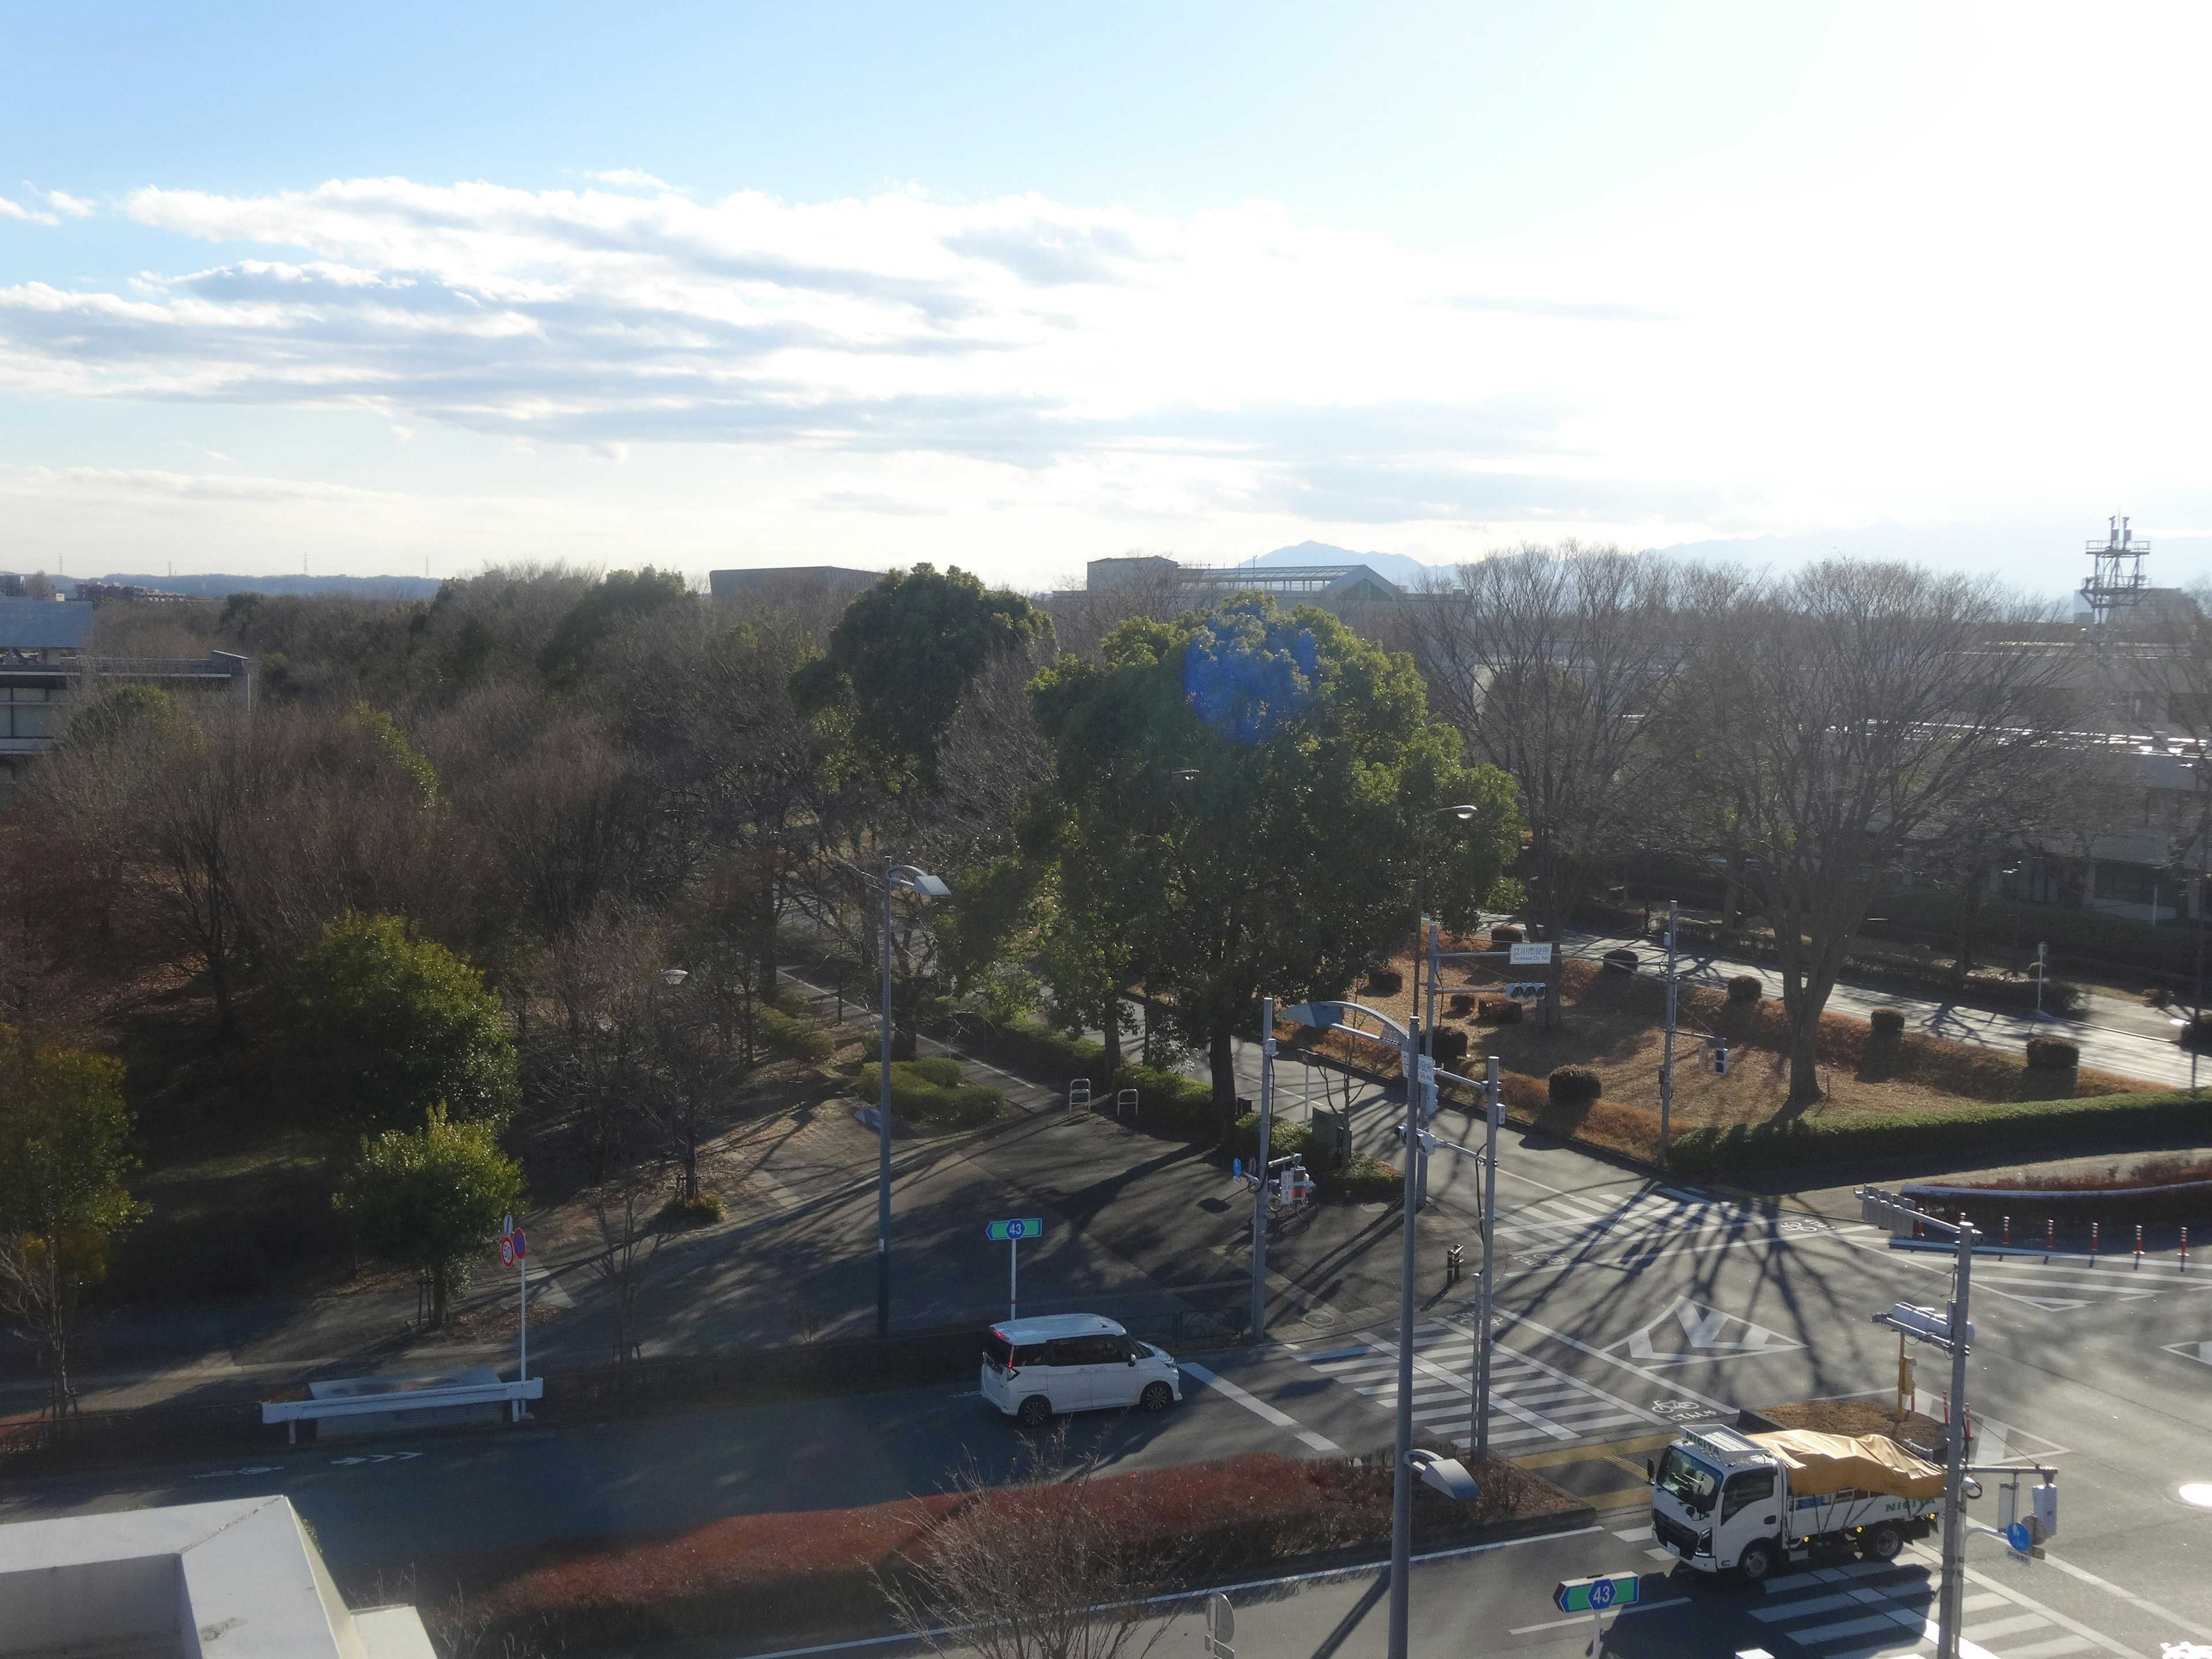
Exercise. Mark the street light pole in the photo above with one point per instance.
(883, 1134)
(1259, 1186)
(1666, 1058)
(1494, 1113)
(928, 886)
(1402, 1488)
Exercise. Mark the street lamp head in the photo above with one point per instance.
(1183, 774)
(1462, 813)
(673, 977)
(920, 881)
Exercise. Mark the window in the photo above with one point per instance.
(2134, 884)
(1086, 1351)
(1688, 1480)
(1756, 1487)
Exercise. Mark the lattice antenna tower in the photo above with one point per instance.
(2116, 582)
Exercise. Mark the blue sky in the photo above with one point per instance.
(420, 288)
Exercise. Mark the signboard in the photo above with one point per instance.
(999, 1232)
(1519, 956)
(521, 1244)
(506, 1251)
(1617, 1589)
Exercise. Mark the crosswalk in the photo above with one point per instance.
(1531, 1404)
(2064, 1285)
(1873, 1609)
(1633, 1229)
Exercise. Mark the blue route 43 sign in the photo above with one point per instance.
(1617, 1589)
(1024, 1227)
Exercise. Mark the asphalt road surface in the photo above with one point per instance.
(1625, 1306)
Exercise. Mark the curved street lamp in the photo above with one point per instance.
(925, 885)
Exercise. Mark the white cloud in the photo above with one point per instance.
(1228, 359)
(630, 178)
(16, 211)
(74, 206)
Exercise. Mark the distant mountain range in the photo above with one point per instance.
(372, 587)
(1398, 566)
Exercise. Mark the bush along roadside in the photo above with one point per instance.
(934, 1094)
(2015, 1126)
(1030, 1046)
(823, 1573)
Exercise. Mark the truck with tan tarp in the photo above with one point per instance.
(1723, 1500)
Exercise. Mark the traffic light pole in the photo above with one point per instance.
(1259, 1168)
(1494, 1114)
(1953, 1588)
(1402, 1486)
(1667, 1056)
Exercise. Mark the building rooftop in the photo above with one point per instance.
(46, 624)
(239, 1577)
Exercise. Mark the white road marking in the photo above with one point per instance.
(1260, 1408)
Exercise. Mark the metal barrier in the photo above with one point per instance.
(291, 1413)
(1078, 1093)
(1126, 1098)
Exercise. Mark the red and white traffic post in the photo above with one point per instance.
(513, 1250)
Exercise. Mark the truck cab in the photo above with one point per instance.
(1725, 1501)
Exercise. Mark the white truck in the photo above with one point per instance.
(1723, 1500)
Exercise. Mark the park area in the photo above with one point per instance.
(1613, 1026)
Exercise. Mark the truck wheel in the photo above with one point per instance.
(1882, 1542)
(1756, 1561)
(1157, 1397)
(1035, 1411)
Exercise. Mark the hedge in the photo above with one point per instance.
(1284, 1139)
(1170, 1098)
(2052, 1054)
(934, 1093)
(1367, 1180)
(2010, 1126)
(1886, 1022)
(1574, 1085)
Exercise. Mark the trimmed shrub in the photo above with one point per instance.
(2052, 1054)
(1462, 1003)
(1746, 987)
(2196, 1034)
(928, 1098)
(1385, 981)
(1504, 935)
(1887, 1022)
(697, 1212)
(1284, 1139)
(1367, 1180)
(1574, 1085)
(2019, 1127)
(1623, 961)
(1450, 1049)
(1497, 1010)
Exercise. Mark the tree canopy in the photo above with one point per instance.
(1239, 798)
(385, 1026)
(430, 1198)
(905, 652)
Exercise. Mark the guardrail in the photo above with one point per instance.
(292, 1413)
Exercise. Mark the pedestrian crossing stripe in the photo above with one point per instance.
(1531, 1401)
(2200, 1351)
(1874, 1609)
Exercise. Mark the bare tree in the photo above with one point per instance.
(1836, 729)
(1035, 1569)
(1548, 660)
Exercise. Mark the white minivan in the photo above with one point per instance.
(1034, 1369)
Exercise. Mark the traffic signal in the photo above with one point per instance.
(1720, 1060)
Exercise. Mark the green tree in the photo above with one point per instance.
(623, 595)
(904, 655)
(383, 1026)
(65, 1137)
(1242, 797)
(429, 1198)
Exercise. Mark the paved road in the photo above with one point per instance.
(1624, 1307)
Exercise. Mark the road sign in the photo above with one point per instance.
(1617, 1589)
(1518, 956)
(521, 1245)
(506, 1251)
(999, 1232)
(506, 1227)
(2020, 1536)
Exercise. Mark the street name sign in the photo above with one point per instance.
(1617, 1589)
(1518, 956)
(1022, 1227)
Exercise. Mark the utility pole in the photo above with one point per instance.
(884, 1133)
(1259, 1169)
(1667, 1057)
(1401, 1488)
(1494, 1116)
(1953, 1331)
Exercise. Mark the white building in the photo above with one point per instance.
(235, 1580)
